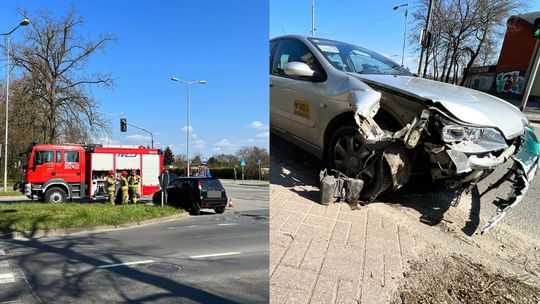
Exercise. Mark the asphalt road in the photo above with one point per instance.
(204, 259)
(293, 167)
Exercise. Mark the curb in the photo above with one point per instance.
(17, 235)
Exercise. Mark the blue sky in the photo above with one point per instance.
(371, 24)
(222, 42)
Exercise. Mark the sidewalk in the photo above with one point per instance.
(332, 254)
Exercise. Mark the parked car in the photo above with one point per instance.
(372, 119)
(194, 194)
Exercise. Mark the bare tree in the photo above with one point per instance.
(52, 60)
(464, 32)
(251, 155)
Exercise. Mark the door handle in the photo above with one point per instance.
(78, 173)
(53, 173)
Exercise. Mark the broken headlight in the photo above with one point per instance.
(473, 139)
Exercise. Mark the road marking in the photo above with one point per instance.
(4, 264)
(193, 226)
(2, 252)
(6, 278)
(126, 264)
(213, 255)
(228, 224)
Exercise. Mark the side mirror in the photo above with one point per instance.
(298, 69)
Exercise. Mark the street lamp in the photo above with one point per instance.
(188, 83)
(406, 5)
(25, 22)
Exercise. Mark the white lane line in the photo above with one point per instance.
(4, 264)
(6, 278)
(2, 252)
(126, 264)
(228, 224)
(193, 226)
(213, 255)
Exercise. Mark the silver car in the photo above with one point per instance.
(369, 118)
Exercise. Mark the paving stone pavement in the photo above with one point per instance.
(332, 254)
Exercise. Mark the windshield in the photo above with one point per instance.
(351, 58)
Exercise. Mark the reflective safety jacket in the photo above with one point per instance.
(134, 180)
(110, 181)
(123, 183)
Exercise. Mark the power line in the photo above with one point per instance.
(362, 27)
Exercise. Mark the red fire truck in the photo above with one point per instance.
(56, 172)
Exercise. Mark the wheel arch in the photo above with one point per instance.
(382, 117)
(59, 183)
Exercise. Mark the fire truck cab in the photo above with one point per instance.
(56, 172)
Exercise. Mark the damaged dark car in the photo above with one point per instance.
(374, 121)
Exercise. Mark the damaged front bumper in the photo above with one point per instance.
(524, 170)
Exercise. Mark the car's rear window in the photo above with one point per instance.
(210, 184)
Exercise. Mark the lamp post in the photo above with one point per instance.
(188, 83)
(406, 5)
(25, 22)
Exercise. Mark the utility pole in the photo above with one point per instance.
(312, 18)
(426, 38)
(532, 75)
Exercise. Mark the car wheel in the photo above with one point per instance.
(219, 210)
(348, 153)
(55, 196)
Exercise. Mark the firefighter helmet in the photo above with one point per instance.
(111, 173)
(124, 173)
(134, 171)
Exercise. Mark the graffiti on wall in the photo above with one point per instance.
(510, 82)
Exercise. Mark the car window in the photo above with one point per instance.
(210, 184)
(290, 50)
(71, 157)
(58, 156)
(43, 157)
(351, 58)
(175, 183)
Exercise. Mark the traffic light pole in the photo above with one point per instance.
(143, 129)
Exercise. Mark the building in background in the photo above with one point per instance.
(510, 75)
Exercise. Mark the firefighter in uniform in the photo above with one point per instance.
(111, 188)
(124, 187)
(133, 180)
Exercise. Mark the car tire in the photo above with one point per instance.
(55, 195)
(347, 153)
(219, 210)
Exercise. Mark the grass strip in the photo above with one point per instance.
(34, 216)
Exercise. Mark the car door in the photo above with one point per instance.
(43, 167)
(71, 166)
(294, 101)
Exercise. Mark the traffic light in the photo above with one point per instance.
(123, 125)
(536, 31)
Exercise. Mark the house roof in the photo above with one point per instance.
(529, 17)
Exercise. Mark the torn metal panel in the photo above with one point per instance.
(525, 168)
(399, 164)
(418, 126)
(466, 163)
(370, 130)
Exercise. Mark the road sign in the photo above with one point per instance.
(259, 162)
(204, 161)
(242, 163)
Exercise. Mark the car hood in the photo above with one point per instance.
(465, 104)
